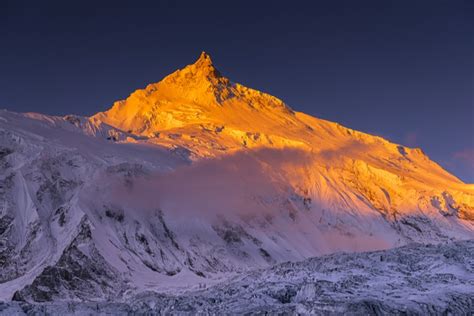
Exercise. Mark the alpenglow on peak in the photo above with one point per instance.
(204, 68)
(204, 60)
(195, 94)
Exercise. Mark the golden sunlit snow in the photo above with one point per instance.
(198, 109)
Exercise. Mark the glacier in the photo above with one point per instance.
(411, 280)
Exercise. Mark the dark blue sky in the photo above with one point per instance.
(400, 69)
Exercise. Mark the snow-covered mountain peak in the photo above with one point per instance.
(202, 73)
(204, 63)
(200, 83)
(195, 94)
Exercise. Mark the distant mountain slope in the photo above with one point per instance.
(195, 178)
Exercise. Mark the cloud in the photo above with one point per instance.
(220, 185)
(240, 183)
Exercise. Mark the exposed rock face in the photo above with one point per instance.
(81, 274)
(196, 178)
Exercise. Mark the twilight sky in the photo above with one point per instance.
(399, 69)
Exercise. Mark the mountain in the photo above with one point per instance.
(196, 178)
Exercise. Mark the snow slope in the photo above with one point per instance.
(196, 178)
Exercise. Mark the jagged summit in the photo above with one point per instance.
(201, 77)
(204, 61)
(205, 57)
(203, 68)
(195, 94)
